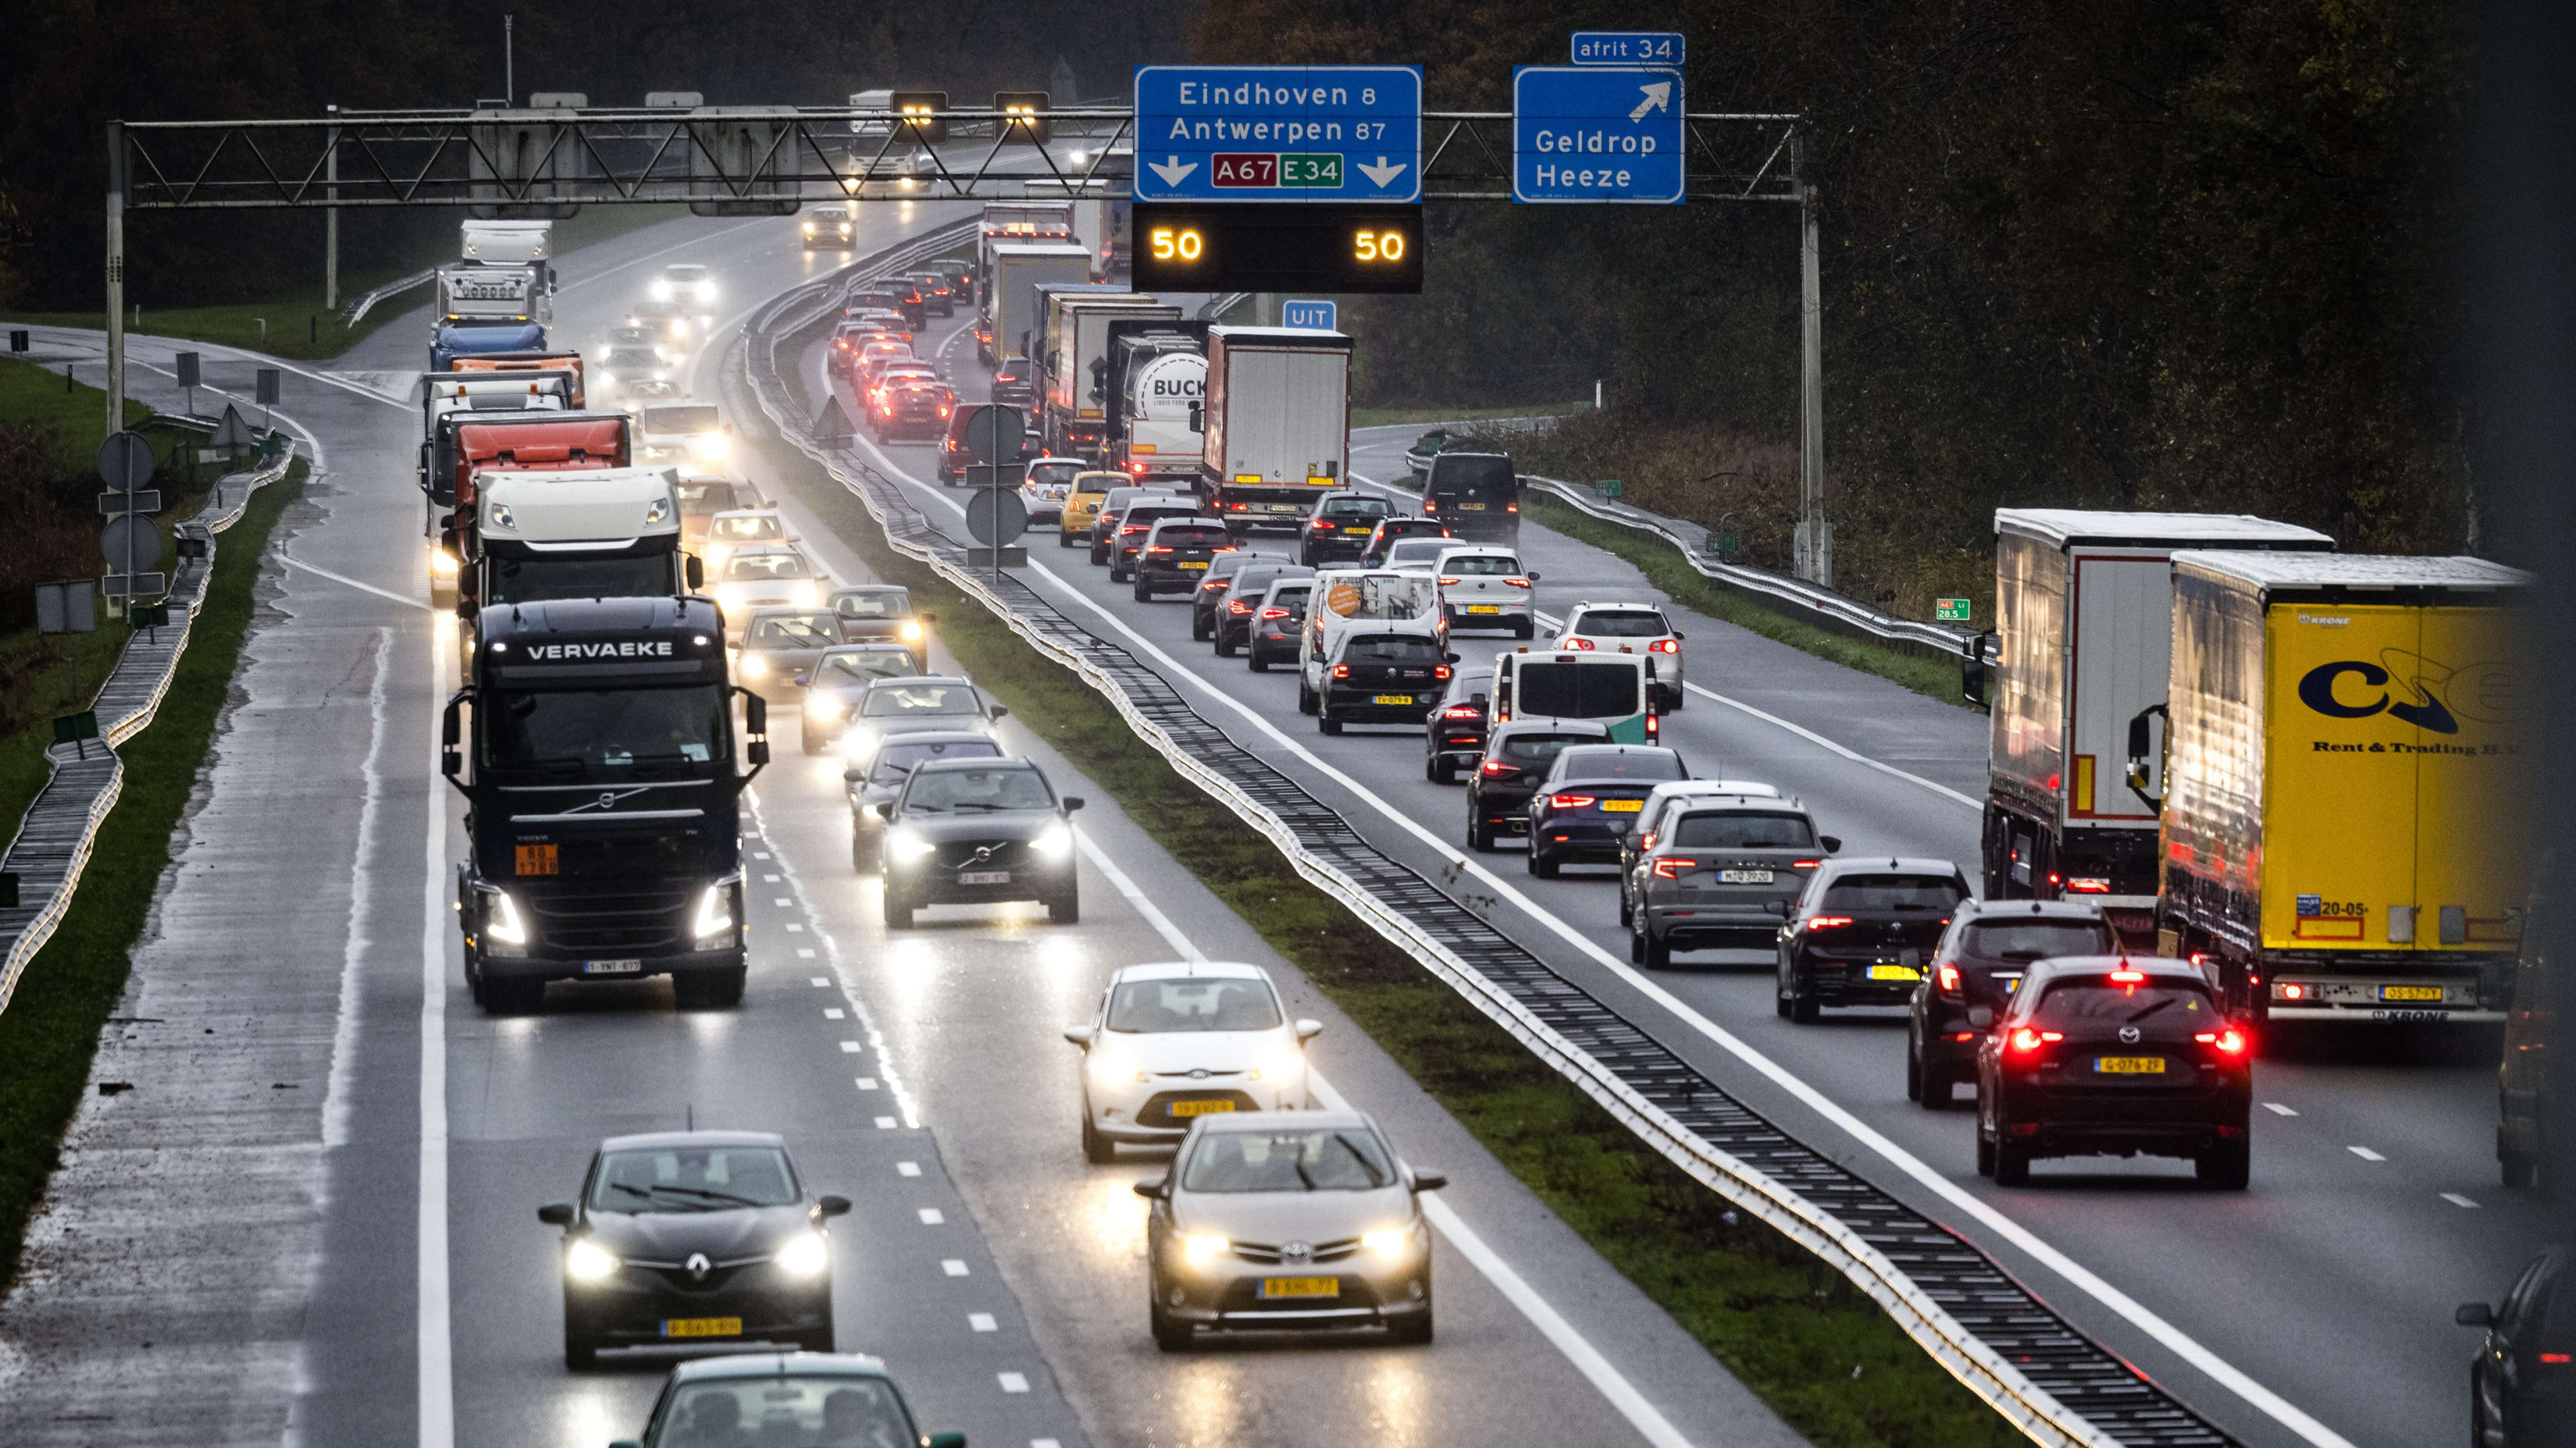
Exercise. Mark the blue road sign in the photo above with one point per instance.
(1628, 47)
(1310, 316)
(1278, 133)
(1597, 134)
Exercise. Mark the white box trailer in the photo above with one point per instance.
(1077, 365)
(508, 243)
(1278, 423)
(2084, 604)
(1009, 320)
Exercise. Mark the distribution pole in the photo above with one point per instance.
(331, 217)
(1815, 541)
(509, 61)
(115, 277)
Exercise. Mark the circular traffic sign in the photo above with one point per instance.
(993, 433)
(129, 530)
(125, 461)
(996, 515)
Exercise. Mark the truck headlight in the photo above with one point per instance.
(805, 1255)
(587, 1261)
(504, 932)
(1053, 843)
(443, 562)
(715, 910)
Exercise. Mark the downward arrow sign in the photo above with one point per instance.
(1382, 174)
(1173, 171)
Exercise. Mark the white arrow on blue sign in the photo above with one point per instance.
(1597, 134)
(1278, 133)
(1628, 47)
(1310, 316)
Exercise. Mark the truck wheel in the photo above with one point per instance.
(513, 997)
(1659, 951)
(898, 912)
(2228, 1166)
(709, 990)
(1065, 911)
(2012, 1165)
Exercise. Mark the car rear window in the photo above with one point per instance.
(2167, 1006)
(736, 529)
(1893, 892)
(1394, 528)
(889, 603)
(1053, 472)
(1191, 537)
(896, 760)
(2037, 939)
(753, 567)
(1412, 550)
(1619, 764)
(1466, 476)
(865, 667)
(1492, 565)
(1357, 508)
(1623, 623)
(1741, 830)
(1578, 691)
(805, 631)
(1540, 748)
(899, 701)
(1392, 649)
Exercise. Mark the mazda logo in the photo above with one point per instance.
(698, 1266)
(2129, 1035)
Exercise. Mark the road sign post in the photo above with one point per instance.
(1278, 133)
(1597, 135)
(993, 437)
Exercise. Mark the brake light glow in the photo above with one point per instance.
(1451, 582)
(2294, 992)
(1663, 646)
(2089, 885)
(1274, 613)
(1804, 864)
(1158, 548)
(2027, 1040)
(1431, 505)
(1516, 583)
(2128, 977)
(1237, 606)
(1341, 671)
(1441, 672)
(1572, 801)
(1948, 979)
(1496, 767)
(1511, 507)
(1829, 922)
(2228, 1042)
(1584, 644)
(1461, 711)
(2556, 1359)
(1674, 869)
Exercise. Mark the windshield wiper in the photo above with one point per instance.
(713, 1196)
(2151, 1010)
(1361, 1157)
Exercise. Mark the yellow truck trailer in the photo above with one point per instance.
(2345, 793)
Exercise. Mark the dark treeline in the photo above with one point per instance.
(2152, 253)
(75, 64)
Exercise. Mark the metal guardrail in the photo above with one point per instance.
(52, 844)
(2051, 1382)
(1801, 600)
(357, 309)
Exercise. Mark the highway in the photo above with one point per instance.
(341, 1245)
(2316, 1309)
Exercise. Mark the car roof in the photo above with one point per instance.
(2084, 910)
(940, 736)
(2161, 967)
(1053, 458)
(1189, 970)
(744, 512)
(1749, 787)
(768, 545)
(849, 589)
(1889, 864)
(647, 1140)
(782, 610)
(951, 766)
(1295, 1121)
(1497, 549)
(869, 646)
(917, 680)
(1592, 603)
(1688, 805)
(1553, 725)
(774, 1364)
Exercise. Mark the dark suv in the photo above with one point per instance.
(2522, 1384)
(1722, 873)
(1476, 494)
(1210, 593)
(1340, 527)
(2113, 1055)
(971, 831)
(1278, 627)
(1390, 531)
(1861, 932)
(1581, 810)
(1239, 607)
(936, 295)
(912, 408)
(1170, 557)
(1136, 523)
(1517, 756)
(1382, 678)
(1988, 949)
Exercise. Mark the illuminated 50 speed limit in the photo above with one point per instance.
(1277, 248)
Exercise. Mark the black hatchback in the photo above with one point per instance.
(2112, 1055)
(1239, 607)
(1175, 554)
(2522, 1384)
(1453, 733)
(1391, 531)
(1988, 949)
(1517, 756)
(1579, 814)
(1861, 932)
(1382, 678)
(1340, 527)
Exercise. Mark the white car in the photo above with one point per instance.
(737, 528)
(1483, 587)
(1630, 628)
(1417, 555)
(1045, 486)
(1177, 1041)
(687, 283)
(764, 575)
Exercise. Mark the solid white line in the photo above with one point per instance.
(435, 1385)
(2455, 1199)
(1153, 913)
(866, 1019)
(1853, 755)
(2365, 1153)
(2083, 1278)
(292, 561)
(2277, 1109)
(362, 870)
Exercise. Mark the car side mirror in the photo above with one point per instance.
(926, 616)
(854, 775)
(1981, 1017)
(1198, 417)
(832, 1206)
(1833, 843)
(1679, 636)
(1449, 658)
(624, 1443)
(696, 569)
(1073, 802)
(2474, 1314)
(1308, 1030)
(1001, 711)
(555, 1214)
(1429, 1181)
(1156, 1187)
(886, 811)
(944, 1440)
(1081, 1036)
(1480, 700)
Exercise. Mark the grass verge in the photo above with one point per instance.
(50, 1030)
(1389, 416)
(1665, 567)
(1823, 1356)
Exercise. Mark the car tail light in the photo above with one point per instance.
(2089, 885)
(1431, 505)
(2026, 1040)
(1228, 548)
(1461, 711)
(1654, 726)
(1451, 582)
(1238, 606)
(1511, 507)
(1131, 528)
(1583, 644)
(943, 409)
(1572, 801)
(1341, 671)
(1441, 672)
(1516, 582)
(1274, 613)
(1829, 922)
(1948, 979)
(1663, 646)
(1804, 864)
(1496, 768)
(1674, 869)
(2556, 1359)
(2128, 977)
(2227, 1043)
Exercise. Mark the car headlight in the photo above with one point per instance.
(679, 328)
(501, 922)
(662, 290)
(808, 596)
(587, 1261)
(1393, 1244)
(715, 910)
(755, 667)
(911, 631)
(706, 291)
(809, 228)
(805, 1255)
(1280, 1065)
(1054, 842)
(1200, 1248)
(825, 707)
(904, 844)
(606, 377)
(711, 444)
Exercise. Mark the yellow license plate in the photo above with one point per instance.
(1193, 565)
(1201, 1108)
(1301, 1287)
(2130, 1065)
(1622, 806)
(1362, 532)
(702, 1327)
(1894, 972)
(1392, 699)
(1484, 608)
(1471, 507)
(2410, 993)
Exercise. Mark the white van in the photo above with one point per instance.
(1379, 599)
